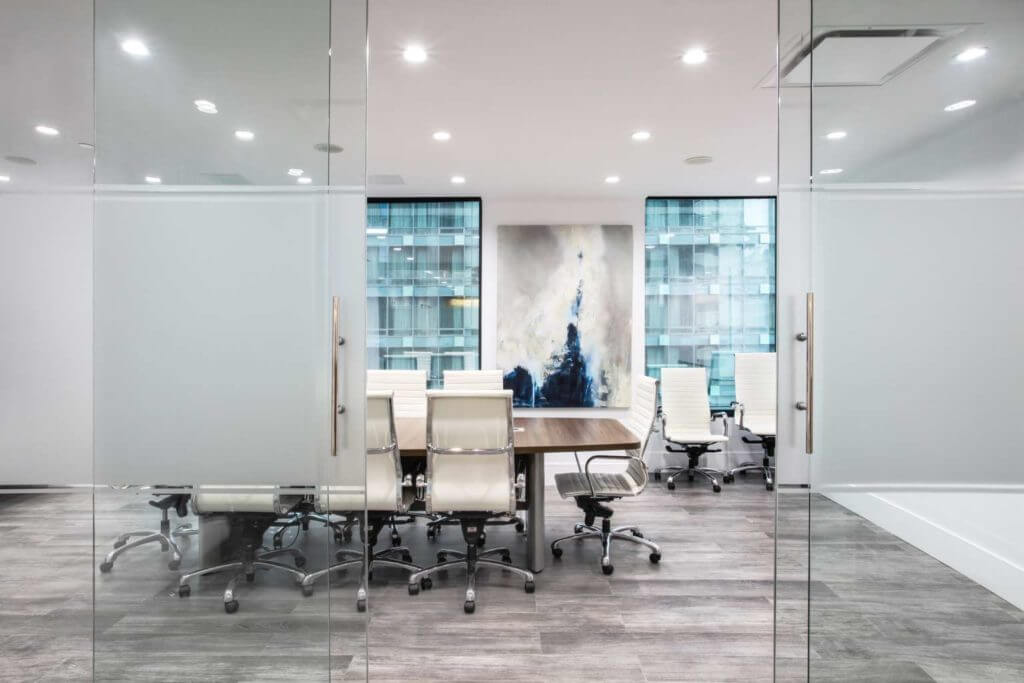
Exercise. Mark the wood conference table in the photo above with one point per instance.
(535, 436)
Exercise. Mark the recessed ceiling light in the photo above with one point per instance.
(410, 258)
(972, 53)
(47, 130)
(396, 249)
(5, 178)
(380, 237)
(612, 179)
(836, 135)
(295, 172)
(830, 171)
(699, 159)
(962, 104)
(135, 47)
(304, 180)
(245, 135)
(376, 231)
(86, 145)
(153, 179)
(442, 136)
(641, 136)
(414, 54)
(458, 179)
(763, 179)
(205, 106)
(695, 55)
(650, 246)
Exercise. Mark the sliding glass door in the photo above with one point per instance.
(900, 365)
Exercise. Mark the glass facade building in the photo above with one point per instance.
(710, 285)
(423, 285)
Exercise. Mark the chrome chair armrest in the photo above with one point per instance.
(738, 410)
(725, 421)
(586, 467)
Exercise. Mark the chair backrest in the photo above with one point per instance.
(470, 454)
(684, 400)
(642, 411)
(383, 464)
(473, 380)
(755, 385)
(408, 386)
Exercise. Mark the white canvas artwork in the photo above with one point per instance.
(565, 314)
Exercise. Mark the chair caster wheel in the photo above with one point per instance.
(655, 558)
(426, 583)
(657, 476)
(481, 540)
(304, 524)
(105, 567)
(637, 534)
(716, 488)
(361, 605)
(431, 535)
(231, 607)
(414, 589)
(300, 561)
(277, 542)
(184, 591)
(396, 540)
(406, 557)
(769, 487)
(173, 564)
(520, 527)
(557, 552)
(728, 479)
(307, 590)
(671, 485)
(530, 587)
(249, 578)
(607, 569)
(441, 557)
(506, 558)
(469, 607)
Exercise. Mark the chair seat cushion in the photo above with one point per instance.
(615, 484)
(693, 437)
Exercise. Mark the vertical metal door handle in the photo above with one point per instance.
(809, 445)
(335, 315)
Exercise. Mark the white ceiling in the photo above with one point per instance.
(540, 96)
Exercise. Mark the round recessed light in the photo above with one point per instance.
(972, 53)
(458, 179)
(86, 145)
(699, 159)
(396, 249)
(414, 54)
(836, 135)
(763, 179)
(612, 179)
(442, 136)
(962, 104)
(47, 130)
(245, 135)
(295, 172)
(5, 178)
(830, 171)
(410, 258)
(135, 47)
(153, 179)
(304, 180)
(205, 106)
(641, 136)
(695, 55)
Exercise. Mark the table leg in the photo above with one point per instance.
(536, 546)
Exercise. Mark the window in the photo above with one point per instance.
(710, 285)
(423, 285)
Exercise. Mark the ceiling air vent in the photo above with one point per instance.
(857, 56)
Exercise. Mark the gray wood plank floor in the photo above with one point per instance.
(881, 610)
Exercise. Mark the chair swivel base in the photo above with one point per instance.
(607, 534)
(674, 473)
(247, 569)
(767, 472)
(380, 559)
(124, 543)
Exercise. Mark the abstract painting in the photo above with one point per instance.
(565, 314)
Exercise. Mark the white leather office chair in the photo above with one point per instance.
(408, 386)
(470, 475)
(755, 410)
(686, 422)
(253, 509)
(384, 498)
(473, 380)
(592, 489)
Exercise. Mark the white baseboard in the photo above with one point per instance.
(983, 565)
